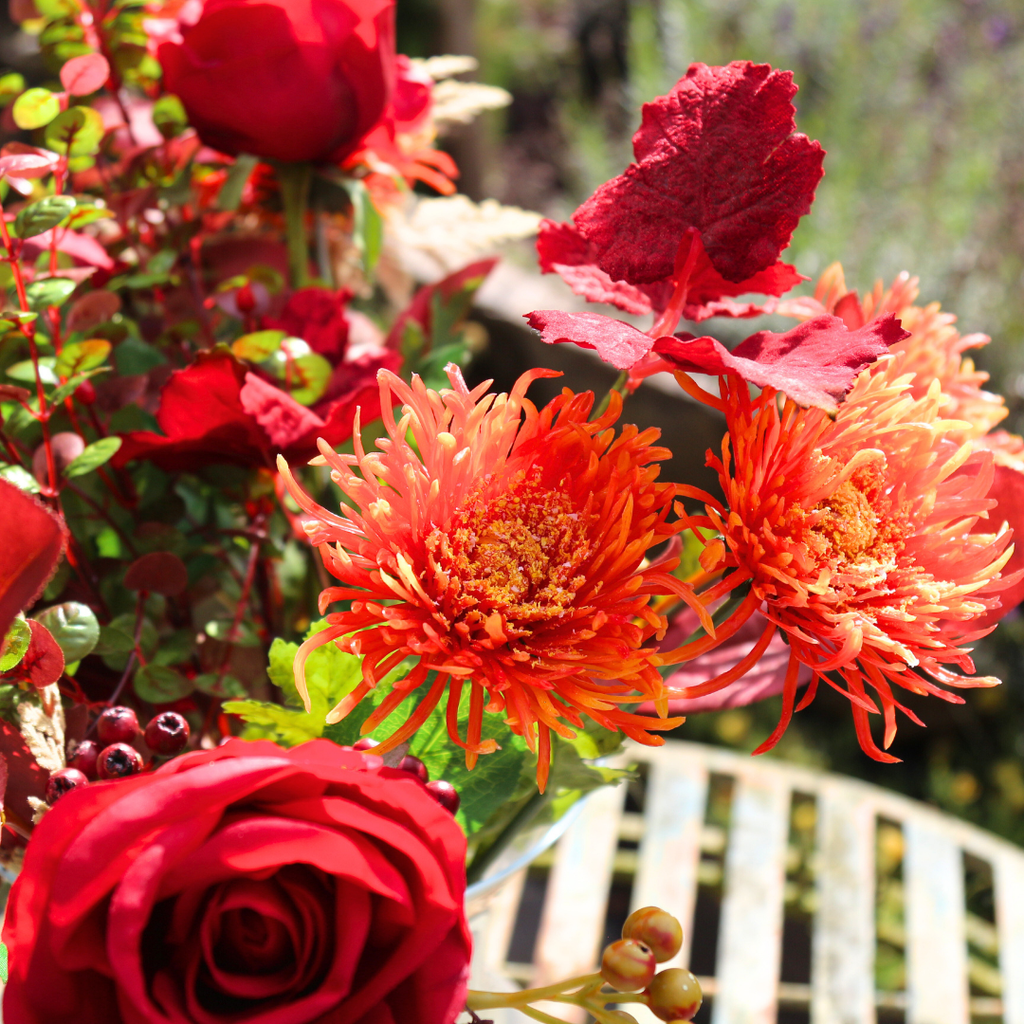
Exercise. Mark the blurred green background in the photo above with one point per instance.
(920, 105)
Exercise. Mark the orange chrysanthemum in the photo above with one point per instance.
(855, 534)
(504, 548)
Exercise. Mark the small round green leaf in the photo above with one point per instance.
(51, 291)
(15, 644)
(77, 132)
(73, 626)
(80, 356)
(94, 456)
(159, 684)
(224, 687)
(35, 108)
(257, 346)
(39, 217)
(169, 116)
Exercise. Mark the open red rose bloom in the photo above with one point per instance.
(243, 883)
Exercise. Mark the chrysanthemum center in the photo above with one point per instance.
(519, 554)
(852, 525)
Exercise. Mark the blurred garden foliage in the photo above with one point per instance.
(920, 104)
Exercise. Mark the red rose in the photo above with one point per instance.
(285, 79)
(247, 883)
(317, 315)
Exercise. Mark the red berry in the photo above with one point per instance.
(628, 965)
(84, 759)
(366, 743)
(86, 392)
(118, 761)
(445, 794)
(657, 929)
(117, 725)
(414, 766)
(674, 995)
(63, 781)
(167, 734)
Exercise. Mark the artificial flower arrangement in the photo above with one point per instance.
(220, 419)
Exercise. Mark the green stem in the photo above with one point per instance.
(295, 179)
(484, 858)
(619, 386)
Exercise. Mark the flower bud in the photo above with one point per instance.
(657, 929)
(674, 995)
(627, 965)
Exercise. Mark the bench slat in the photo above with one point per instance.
(750, 941)
(933, 880)
(843, 949)
(677, 794)
(1008, 872)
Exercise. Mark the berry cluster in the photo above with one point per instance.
(651, 936)
(111, 755)
(443, 792)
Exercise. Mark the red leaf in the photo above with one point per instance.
(720, 154)
(83, 248)
(43, 663)
(159, 572)
(283, 419)
(25, 567)
(564, 251)
(83, 75)
(814, 364)
(616, 342)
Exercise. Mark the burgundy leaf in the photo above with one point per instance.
(814, 364)
(616, 342)
(159, 572)
(43, 663)
(283, 420)
(25, 567)
(93, 309)
(720, 154)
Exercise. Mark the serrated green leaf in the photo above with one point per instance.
(76, 132)
(15, 644)
(74, 627)
(80, 356)
(35, 108)
(257, 346)
(26, 370)
(95, 455)
(286, 726)
(51, 291)
(159, 684)
(41, 216)
(21, 478)
(219, 686)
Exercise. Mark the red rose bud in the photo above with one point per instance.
(167, 734)
(84, 759)
(414, 766)
(657, 929)
(117, 725)
(63, 781)
(445, 794)
(85, 392)
(245, 300)
(627, 965)
(285, 80)
(674, 995)
(118, 761)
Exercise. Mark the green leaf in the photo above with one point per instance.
(94, 456)
(133, 356)
(15, 644)
(257, 346)
(330, 674)
(224, 686)
(159, 684)
(71, 386)
(73, 626)
(78, 131)
(3, 963)
(21, 478)
(26, 371)
(87, 214)
(305, 373)
(35, 108)
(41, 216)
(80, 356)
(230, 194)
(11, 86)
(368, 225)
(245, 635)
(114, 640)
(169, 116)
(286, 726)
(51, 291)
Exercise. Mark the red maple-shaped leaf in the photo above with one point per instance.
(814, 364)
(561, 249)
(27, 565)
(720, 153)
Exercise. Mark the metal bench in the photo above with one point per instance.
(959, 966)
